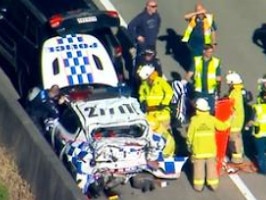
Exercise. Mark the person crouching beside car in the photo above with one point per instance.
(44, 104)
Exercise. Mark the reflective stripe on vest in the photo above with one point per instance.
(260, 119)
(207, 24)
(211, 76)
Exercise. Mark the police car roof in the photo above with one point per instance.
(53, 7)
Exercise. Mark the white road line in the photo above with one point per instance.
(242, 187)
(109, 6)
(234, 177)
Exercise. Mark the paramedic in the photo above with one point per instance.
(201, 30)
(259, 131)
(155, 95)
(206, 75)
(236, 87)
(202, 145)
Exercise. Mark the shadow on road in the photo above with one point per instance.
(259, 37)
(176, 48)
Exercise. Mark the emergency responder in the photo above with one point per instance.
(206, 75)
(43, 104)
(144, 28)
(202, 145)
(236, 88)
(155, 95)
(259, 131)
(201, 30)
(261, 85)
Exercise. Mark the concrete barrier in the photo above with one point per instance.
(37, 163)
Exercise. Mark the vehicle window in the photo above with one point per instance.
(52, 7)
(69, 120)
(133, 131)
(98, 62)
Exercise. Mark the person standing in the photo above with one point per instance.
(144, 28)
(155, 95)
(259, 131)
(206, 76)
(236, 88)
(201, 30)
(202, 145)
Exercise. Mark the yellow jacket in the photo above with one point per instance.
(260, 120)
(239, 113)
(201, 134)
(160, 92)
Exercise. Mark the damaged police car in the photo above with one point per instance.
(104, 140)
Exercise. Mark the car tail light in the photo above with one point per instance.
(112, 13)
(55, 21)
(118, 51)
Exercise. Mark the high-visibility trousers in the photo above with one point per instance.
(199, 173)
(236, 147)
(160, 123)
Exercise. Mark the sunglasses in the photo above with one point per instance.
(153, 6)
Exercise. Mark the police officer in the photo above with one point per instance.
(155, 95)
(259, 131)
(236, 87)
(43, 104)
(202, 145)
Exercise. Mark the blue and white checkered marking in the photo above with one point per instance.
(76, 62)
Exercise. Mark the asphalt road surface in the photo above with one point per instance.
(236, 24)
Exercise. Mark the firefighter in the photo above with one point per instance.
(236, 87)
(202, 145)
(155, 95)
(259, 131)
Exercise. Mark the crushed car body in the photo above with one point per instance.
(109, 139)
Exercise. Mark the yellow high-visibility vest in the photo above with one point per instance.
(260, 120)
(211, 76)
(207, 25)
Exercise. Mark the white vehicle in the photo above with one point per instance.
(109, 138)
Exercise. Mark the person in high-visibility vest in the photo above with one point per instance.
(205, 74)
(259, 131)
(236, 88)
(201, 30)
(155, 95)
(202, 145)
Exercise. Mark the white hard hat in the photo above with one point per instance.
(233, 78)
(33, 93)
(202, 104)
(145, 71)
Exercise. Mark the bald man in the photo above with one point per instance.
(201, 30)
(144, 28)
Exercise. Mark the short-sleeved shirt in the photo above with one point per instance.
(196, 40)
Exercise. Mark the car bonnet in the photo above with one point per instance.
(74, 60)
